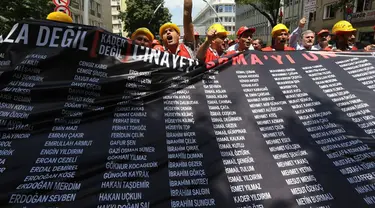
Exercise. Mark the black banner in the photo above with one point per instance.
(88, 119)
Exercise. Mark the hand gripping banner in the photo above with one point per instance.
(87, 119)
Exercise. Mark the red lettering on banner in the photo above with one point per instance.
(290, 59)
(277, 58)
(255, 60)
(327, 55)
(310, 57)
(240, 60)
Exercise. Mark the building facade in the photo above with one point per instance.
(225, 14)
(99, 13)
(118, 6)
(361, 15)
(246, 15)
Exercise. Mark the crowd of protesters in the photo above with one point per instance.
(217, 44)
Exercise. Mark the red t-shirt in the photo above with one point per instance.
(211, 55)
(182, 50)
(286, 48)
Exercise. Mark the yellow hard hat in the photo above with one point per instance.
(143, 31)
(168, 25)
(278, 27)
(342, 26)
(219, 28)
(60, 17)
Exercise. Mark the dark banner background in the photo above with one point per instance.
(81, 128)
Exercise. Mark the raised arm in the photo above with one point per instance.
(188, 22)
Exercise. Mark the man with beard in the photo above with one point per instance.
(345, 36)
(280, 35)
(214, 45)
(170, 34)
(323, 41)
(142, 36)
(245, 40)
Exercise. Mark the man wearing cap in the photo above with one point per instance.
(345, 36)
(280, 35)
(245, 40)
(323, 41)
(143, 36)
(170, 34)
(214, 46)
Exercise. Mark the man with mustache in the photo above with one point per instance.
(214, 46)
(170, 34)
(142, 36)
(245, 40)
(323, 41)
(345, 36)
(280, 35)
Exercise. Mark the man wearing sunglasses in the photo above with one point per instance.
(143, 36)
(214, 46)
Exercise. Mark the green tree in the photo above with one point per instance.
(139, 13)
(268, 8)
(13, 11)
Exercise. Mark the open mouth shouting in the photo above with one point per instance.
(169, 39)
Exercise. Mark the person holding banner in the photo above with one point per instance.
(142, 36)
(214, 46)
(170, 34)
(280, 35)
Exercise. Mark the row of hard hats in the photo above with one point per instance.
(339, 27)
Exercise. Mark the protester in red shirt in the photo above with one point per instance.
(245, 39)
(170, 34)
(214, 46)
(280, 36)
(142, 36)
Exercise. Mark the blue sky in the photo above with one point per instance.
(175, 8)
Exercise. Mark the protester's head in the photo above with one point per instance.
(245, 37)
(345, 33)
(257, 44)
(219, 42)
(170, 34)
(60, 17)
(155, 42)
(308, 39)
(280, 34)
(324, 37)
(142, 36)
